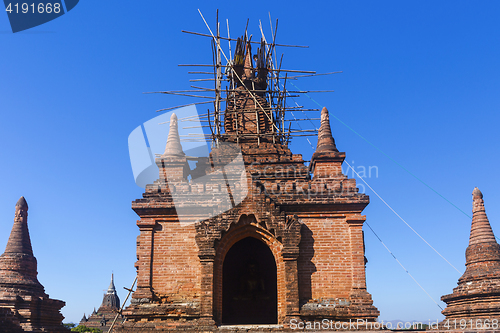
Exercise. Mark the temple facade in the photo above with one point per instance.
(24, 305)
(105, 315)
(251, 234)
(477, 296)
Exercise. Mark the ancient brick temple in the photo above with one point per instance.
(103, 318)
(24, 305)
(477, 295)
(274, 241)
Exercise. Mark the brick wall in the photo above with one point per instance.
(324, 261)
(176, 267)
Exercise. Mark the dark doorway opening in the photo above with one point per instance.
(249, 284)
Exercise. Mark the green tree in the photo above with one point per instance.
(84, 329)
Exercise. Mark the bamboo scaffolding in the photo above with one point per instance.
(316, 74)
(234, 40)
(172, 91)
(229, 66)
(188, 95)
(203, 88)
(181, 106)
(238, 90)
(276, 94)
(232, 69)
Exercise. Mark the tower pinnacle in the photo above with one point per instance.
(111, 288)
(480, 229)
(476, 295)
(173, 147)
(19, 241)
(248, 66)
(20, 290)
(110, 299)
(325, 138)
(21, 203)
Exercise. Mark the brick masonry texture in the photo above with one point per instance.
(202, 227)
(309, 218)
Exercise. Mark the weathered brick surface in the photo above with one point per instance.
(9, 322)
(244, 119)
(324, 270)
(309, 217)
(176, 267)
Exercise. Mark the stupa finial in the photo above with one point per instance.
(19, 239)
(480, 229)
(325, 139)
(173, 147)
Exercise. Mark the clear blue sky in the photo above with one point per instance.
(420, 81)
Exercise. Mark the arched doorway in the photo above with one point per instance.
(249, 284)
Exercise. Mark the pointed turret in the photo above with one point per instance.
(248, 66)
(20, 290)
(480, 229)
(21, 203)
(110, 299)
(476, 295)
(173, 164)
(19, 240)
(173, 147)
(111, 288)
(325, 138)
(17, 264)
(483, 253)
(327, 160)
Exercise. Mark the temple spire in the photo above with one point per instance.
(478, 290)
(19, 241)
(326, 143)
(173, 147)
(480, 229)
(111, 288)
(110, 299)
(20, 290)
(248, 66)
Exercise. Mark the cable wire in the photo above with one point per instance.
(399, 216)
(385, 202)
(400, 264)
(389, 157)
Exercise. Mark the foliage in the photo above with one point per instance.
(69, 325)
(83, 329)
